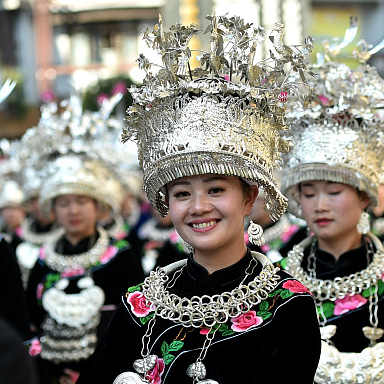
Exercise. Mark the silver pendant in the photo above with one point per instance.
(129, 378)
(197, 370)
(144, 365)
(372, 333)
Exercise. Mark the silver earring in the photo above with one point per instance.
(364, 226)
(255, 233)
(188, 247)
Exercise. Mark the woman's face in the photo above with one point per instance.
(331, 210)
(208, 211)
(13, 217)
(76, 214)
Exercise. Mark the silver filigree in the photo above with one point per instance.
(197, 370)
(85, 260)
(207, 310)
(339, 287)
(336, 367)
(129, 378)
(144, 365)
(224, 117)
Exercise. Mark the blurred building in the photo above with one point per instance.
(54, 45)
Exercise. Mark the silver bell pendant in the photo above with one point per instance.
(198, 371)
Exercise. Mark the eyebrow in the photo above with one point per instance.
(205, 180)
(309, 184)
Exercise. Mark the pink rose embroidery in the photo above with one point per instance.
(35, 348)
(295, 286)
(348, 303)
(245, 321)
(154, 375)
(138, 304)
(73, 272)
(109, 254)
(204, 331)
(246, 237)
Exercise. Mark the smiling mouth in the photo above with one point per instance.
(204, 225)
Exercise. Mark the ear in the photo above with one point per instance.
(250, 199)
(364, 200)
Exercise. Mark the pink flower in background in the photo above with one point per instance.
(265, 248)
(283, 97)
(324, 100)
(119, 87)
(35, 348)
(348, 303)
(154, 375)
(109, 254)
(138, 304)
(42, 253)
(295, 286)
(39, 291)
(245, 321)
(288, 233)
(101, 97)
(19, 232)
(174, 237)
(47, 96)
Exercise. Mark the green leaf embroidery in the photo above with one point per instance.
(121, 244)
(283, 263)
(380, 284)
(164, 348)
(264, 314)
(263, 306)
(286, 294)
(176, 345)
(328, 309)
(144, 320)
(229, 332)
(134, 288)
(168, 359)
(275, 293)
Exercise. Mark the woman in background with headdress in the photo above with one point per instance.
(224, 315)
(80, 275)
(331, 178)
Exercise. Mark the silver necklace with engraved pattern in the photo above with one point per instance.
(206, 311)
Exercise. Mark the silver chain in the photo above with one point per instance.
(207, 311)
(339, 287)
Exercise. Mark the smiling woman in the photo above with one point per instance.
(80, 275)
(332, 178)
(225, 315)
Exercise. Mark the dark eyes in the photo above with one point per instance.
(216, 190)
(333, 193)
(211, 191)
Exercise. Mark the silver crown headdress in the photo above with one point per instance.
(339, 137)
(68, 134)
(224, 117)
(11, 194)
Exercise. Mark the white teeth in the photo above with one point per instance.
(204, 225)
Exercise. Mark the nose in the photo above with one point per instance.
(200, 204)
(321, 203)
(73, 208)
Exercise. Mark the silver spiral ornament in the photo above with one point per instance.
(255, 234)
